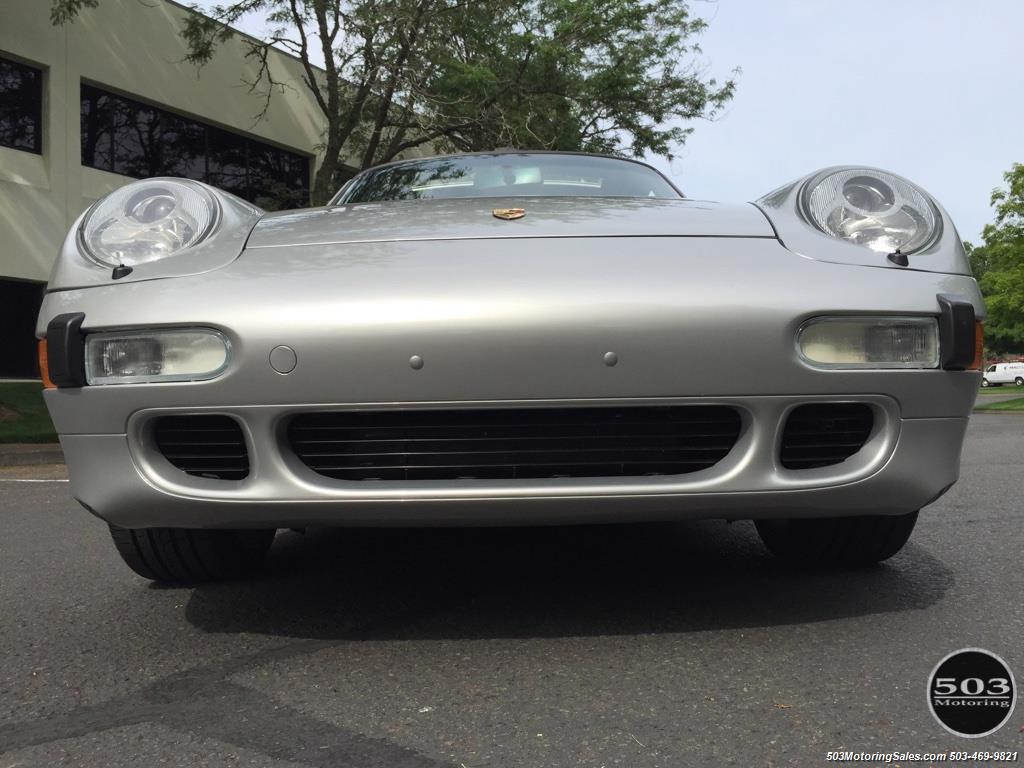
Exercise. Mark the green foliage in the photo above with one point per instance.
(1005, 405)
(998, 265)
(1005, 389)
(23, 415)
(614, 76)
(63, 11)
(609, 76)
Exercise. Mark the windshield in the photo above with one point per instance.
(508, 175)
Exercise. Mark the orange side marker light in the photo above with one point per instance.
(44, 366)
(979, 346)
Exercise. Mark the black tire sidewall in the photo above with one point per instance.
(843, 542)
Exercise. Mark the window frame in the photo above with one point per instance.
(248, 146)
(339, 197)
(40, 73)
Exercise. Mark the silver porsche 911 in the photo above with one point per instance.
(510, 338)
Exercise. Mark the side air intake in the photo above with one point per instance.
(823, 434)
(203, 445)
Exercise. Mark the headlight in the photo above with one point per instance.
(146, 221)
(870, 342)
(138, 357)
(872, 208)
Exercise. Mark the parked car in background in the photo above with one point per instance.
(511, 338)
(998, 374)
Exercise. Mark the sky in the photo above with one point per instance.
(930, 89)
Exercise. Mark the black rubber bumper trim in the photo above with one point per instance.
(956, 332)
(65, 350)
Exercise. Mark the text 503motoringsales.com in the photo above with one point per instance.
(852, 756)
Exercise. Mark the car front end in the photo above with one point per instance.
(596, 359)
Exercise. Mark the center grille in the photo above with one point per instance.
(824, 434)
(514, 444)
(203, 445)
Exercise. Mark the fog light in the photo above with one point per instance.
(138, 357)
(870, 342)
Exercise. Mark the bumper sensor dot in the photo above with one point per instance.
(283, 359)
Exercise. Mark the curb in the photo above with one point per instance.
(28, 454)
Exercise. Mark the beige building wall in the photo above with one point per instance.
(133, 48)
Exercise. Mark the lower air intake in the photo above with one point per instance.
(824, 434)
(514, 444)
(204, 446)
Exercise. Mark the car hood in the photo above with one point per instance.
(466, 219)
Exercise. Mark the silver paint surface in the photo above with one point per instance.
(283, 359)
(582, 302)
(547, 217)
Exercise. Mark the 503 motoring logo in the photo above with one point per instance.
(972, 693)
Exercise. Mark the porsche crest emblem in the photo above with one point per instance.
(508, 214)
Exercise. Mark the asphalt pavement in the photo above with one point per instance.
(648, 645)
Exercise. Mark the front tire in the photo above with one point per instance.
(985, 384)
(837, 541)
(192, 555)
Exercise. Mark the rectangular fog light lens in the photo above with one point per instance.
(871, 342)
(138, 357)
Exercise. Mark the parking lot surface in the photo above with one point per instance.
(648, 645)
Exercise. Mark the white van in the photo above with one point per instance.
(1003, 373)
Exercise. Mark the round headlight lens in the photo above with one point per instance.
(148, 220)
(872, 208)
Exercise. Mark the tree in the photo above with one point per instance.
(998, 265)
(616, 76)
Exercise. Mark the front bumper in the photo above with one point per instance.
(503, 323)
(905, 464)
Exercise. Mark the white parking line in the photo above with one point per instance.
(25, 480)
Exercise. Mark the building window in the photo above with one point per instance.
(135, 139)
(21, 107)
(20, 301)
